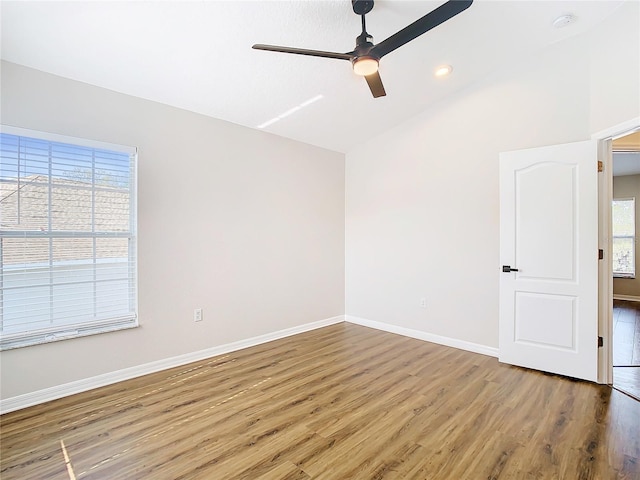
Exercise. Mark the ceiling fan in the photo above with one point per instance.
(366, 56)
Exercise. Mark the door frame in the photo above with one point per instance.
(605, 267)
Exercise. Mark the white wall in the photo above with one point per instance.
(422, 206)
(615, 68)
(246, 225)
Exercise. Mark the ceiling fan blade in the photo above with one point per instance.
(302, 51)
(420, 26)
(375, 85)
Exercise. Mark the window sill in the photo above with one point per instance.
(623, 275)
(9, 342)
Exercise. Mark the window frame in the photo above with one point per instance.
(632, 237)
(89, 327)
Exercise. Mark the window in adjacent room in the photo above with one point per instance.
(624, 237)
(67, 237)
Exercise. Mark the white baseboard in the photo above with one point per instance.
(40, 396)
(629, 298)
(427, 337)
(59, 391)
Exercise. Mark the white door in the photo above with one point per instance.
(549, 240)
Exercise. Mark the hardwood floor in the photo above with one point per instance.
(627, 380)
(626, 333)
(626, 347)
(342, 402)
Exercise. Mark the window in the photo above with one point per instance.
(624, 237)
(67, 237)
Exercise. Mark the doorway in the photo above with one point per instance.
(625, 224)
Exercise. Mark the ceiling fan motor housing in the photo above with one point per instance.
(362, 7)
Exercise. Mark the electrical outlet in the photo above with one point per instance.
(197, 315)
(423, 302)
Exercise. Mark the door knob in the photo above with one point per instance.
(508, 269)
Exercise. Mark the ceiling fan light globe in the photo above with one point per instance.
(365, 66)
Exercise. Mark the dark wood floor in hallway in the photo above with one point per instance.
(626, 347)
(626, 333)
(342, 402)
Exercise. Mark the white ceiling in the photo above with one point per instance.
(626, 163)
(197, 55)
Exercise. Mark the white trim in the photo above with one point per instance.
(425, 336)
(605, 285)
(619, 130)
(34, 398)
(605, 267)
(628, 298)
(55, 137)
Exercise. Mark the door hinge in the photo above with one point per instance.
(600, 167)
(600, 342)
(600, 254)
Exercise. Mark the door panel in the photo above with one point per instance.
(549, 233)
(544, 231)
(543, 319)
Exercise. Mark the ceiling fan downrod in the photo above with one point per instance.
(364, 41)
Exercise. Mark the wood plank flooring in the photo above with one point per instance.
(342, 402)
(626, 347)
(626, 333)
(627, 380)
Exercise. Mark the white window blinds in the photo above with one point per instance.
(67, 237)
(624, 237)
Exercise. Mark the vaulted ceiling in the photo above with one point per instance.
(197, 55)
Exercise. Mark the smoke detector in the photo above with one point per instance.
(564, 20)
